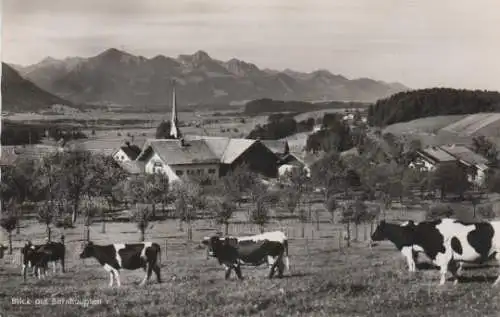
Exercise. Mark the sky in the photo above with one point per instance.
(420, 43)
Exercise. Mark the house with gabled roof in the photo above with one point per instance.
(431, 157)
(126, 153)
(178, 158)
(203, 156)
(476, 164)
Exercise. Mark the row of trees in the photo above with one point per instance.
(410, 105)
(280, 126)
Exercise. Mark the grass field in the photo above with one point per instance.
(323, 281)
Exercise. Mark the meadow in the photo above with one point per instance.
(326, 278)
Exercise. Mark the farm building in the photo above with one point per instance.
(431, 157)
(205, 156)
(128, 152)
(476, 164)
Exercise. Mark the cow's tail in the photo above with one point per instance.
(286, 259)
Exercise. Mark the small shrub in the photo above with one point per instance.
(439, 211)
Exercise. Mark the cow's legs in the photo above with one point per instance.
(497, 281)
(117, 276)
(111, 278)
(275, 264)
(408, 254)
(148, 269)
(228, 268)
(281, 267)
(237, 269)
(156, 269)
(455, 269)
(443, 261)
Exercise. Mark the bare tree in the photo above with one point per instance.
(260, 212)
(9, 220)
(141, 215)
(46, 215)
(189, 199)
(224, 208)
(331, 206)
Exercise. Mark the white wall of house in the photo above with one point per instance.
(175, 172)
(120, 156)
(422, 164)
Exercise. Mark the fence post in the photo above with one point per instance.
(365, 231)
(340, 233)
(166, 250)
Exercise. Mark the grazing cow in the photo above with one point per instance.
(449, 243)
(232, 252)
(114, 257)
(402, 237)
(39, 256)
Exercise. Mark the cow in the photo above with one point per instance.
(114, 257)
(233, 252)
(449, 243)
(401, 235)
(39, 256)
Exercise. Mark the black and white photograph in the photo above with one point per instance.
(250, 158)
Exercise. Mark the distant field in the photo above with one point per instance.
(108, 125)
(317, 114)
(423, 125)
(449, 129)
(324, 280)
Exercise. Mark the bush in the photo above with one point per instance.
(486, 212)
(438, 211)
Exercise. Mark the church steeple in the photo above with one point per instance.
(175, 133)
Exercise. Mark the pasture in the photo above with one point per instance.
(326, 279)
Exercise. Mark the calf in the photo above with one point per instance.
(402, 236)
(39, 260)
(114, 257)
(232, 252)
(38, 256)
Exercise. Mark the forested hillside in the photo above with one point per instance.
(406, 106)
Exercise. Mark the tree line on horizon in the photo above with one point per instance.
(410, 105)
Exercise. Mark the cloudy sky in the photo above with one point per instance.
(421, 43)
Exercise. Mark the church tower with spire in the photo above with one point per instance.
(175, 133)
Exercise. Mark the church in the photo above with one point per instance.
(204, 156)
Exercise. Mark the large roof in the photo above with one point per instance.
(438, 154)
(131, 150)
(175, 152)
(226, 149)
(465, 154)
(276, 146)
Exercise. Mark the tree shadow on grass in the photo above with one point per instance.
(476, 279)
(295, 275)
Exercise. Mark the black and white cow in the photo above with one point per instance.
(401, 235)
(449, 243)
(233, 252)
(114, 257)
(38, 256)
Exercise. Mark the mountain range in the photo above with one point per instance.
(118, 77)
(21, 95)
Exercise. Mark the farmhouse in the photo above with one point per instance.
(128, 152)
(203, 156)
(431, 157)
(476, 164)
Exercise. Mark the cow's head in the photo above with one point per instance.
(88, 250)
(212, 243)
(380, 233)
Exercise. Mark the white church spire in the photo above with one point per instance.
(174, 125)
